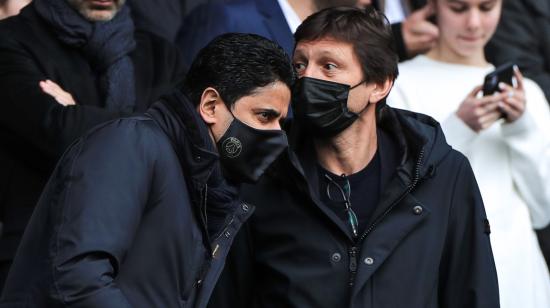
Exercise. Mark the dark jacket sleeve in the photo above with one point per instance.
(468, 276)
(522, 37)
(34, 116)
(104, 193)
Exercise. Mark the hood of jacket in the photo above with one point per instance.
(419, 140)
(179, 120)
(214, 197)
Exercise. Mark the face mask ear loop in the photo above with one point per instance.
(230, 111)
(228, 126)
(355, 86)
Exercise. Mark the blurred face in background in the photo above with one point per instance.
(465, 26)
(97, 10)
(322, 4)
(11, 7)
(363, 3)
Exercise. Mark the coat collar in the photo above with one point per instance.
(215, 201)
(418, 139)
(179, 120)
(412, 143)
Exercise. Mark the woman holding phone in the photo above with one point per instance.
(506, 137)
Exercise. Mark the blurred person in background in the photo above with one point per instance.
(11, 7)
(66, 66)
(278, 20)
(522, 37)
(274, 19)
(505, 136)
(413, 31)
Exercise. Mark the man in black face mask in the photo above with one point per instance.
(138, 212)
(371, 208)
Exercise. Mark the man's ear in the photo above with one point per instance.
(209, 105)
(381, 90)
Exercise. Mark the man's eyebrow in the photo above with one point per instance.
(323, 52)
(271, 112)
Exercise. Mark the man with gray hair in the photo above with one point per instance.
(66, 66)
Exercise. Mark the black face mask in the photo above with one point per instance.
(246, 152)
(323, 105)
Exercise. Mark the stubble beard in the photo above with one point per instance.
(96, 14)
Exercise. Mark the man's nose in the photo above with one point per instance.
(312, 71)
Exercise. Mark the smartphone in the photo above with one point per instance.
(503, 73)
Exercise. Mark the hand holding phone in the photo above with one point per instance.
(514, 101)
(503, 73)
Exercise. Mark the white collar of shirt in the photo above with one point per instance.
(291, 17)
(394, 11)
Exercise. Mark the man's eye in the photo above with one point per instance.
(299, 66)
(264, 116)
(329, 66)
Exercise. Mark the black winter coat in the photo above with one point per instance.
(426, 246)
(35, 129)
(136, 214)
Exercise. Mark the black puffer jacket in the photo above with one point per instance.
(136, 214)
(426, 245)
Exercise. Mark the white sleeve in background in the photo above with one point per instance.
(397, 97)
(459, 135)
(528, 139)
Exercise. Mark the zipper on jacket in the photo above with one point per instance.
(203, 216)
(352, 265)
(203, 205)
(216, 246)
(409, 189)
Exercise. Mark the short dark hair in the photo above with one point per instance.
(366, 29)
(236, 65)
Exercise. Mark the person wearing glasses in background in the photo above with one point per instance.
(370, 207)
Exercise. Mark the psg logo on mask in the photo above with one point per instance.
(232, 147)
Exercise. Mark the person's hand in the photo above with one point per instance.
(513, 104)
(419, 35)
(53, 89)
(480, 113)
